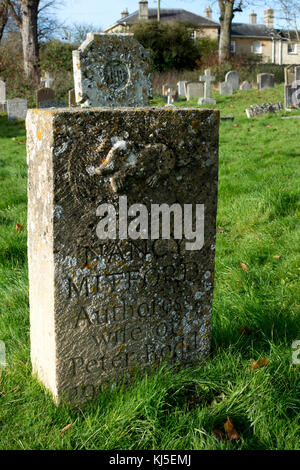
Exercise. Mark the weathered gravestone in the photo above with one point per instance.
(181, 88)
(292, 87)
(129, 298)
(44, 95)
(72, 97)
(225, 88)
(193, 90)
(259, 109)
(2, 96)
(171, 91)
(207, 78)
(233, 79)
(166, 87)
(245, 85)
(112, 70)
(16, 109)
(265, 81)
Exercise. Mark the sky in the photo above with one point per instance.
(103, 13)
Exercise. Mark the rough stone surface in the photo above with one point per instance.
(44, 94)
(194, 90)
(245, 85)
(181, 88)
(225, 88)
(101, 308)
(233, 78)
(112, 70)
(72, 97)
(265, 81)
(16, 109)
(259, 109)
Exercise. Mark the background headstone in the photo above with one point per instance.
(2, 96)
(233, 79)
(259, 109)
(289, 74)
(16, 109)
(292, 95)
(111, 306)
(112, 70)
(194, 90)
(166, 86)
(181, 88)
(245, 85)
(207, 79)
(225, 88)
(265, 81)
(72, 98)
(44, 94)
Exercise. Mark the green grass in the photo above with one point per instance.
(258, 208)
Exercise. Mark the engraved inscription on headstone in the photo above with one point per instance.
(111, 305)
(112, 70)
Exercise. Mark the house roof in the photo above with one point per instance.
(170, 15)
(252, 30)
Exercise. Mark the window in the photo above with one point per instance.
(292, 49)
(257, 47)
(232, 47)
(193, 35)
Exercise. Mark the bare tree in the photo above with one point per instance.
(288, 13)
(77, 32)
(227, 10)
(3, 16)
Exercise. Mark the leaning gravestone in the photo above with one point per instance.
(44, 94)
(194, 90)
(233, 79)
(16, 109)
(112, 70)
(245, 85)
(259, 109)
(225, 88)
(123, 300)
(265, 81)
(2, 96)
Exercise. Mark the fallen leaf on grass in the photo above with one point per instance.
(268, 125)
(244, 330)
(66, 428)
(19, 227)
(230, 430)
(221, 230)
(276, 256)
(13, 138)
(262, 362)
(243, 266)
(235, 125)
(276, 151)
(231, 106)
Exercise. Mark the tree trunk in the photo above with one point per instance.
(30, 39)
(3, 17)
(226, 9)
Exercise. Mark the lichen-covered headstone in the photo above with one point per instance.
(233, 79)
(72, 97)
(112, 70)
(103, 307)
(265, 81)
(260, 109)
(16, 109)
(42, 95)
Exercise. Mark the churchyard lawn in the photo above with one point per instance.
(255, 312)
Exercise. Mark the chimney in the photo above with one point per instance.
(253, 18)
(208, 12)
(269, 17)
(143, 10)
(124, 13)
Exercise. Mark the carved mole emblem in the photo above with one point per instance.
(151, 161)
